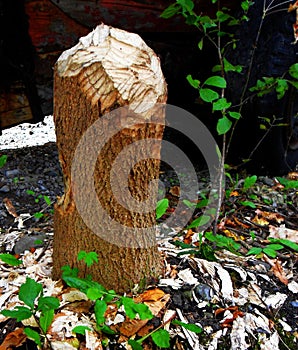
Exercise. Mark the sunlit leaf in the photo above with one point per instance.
(193, 82)
(216, 81)
(223, 125)
(9, 259)
(20, 313)
(81, 329)
(45, 320)
(29, 291)
(161, 338)
(208, 95)
(161, 207)
(189, 326)
(221, 104)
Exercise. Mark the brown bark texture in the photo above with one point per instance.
(106, 89)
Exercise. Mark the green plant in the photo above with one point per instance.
(280, 85)
(3, 160)
(272, 248)
(10, 259)
(40, 307)
(37, 198)
(161, 207)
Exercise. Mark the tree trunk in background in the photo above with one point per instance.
(109, 71)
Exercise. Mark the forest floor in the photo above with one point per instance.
(239, 287)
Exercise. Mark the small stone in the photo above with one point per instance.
(5, 189)
(12, 173)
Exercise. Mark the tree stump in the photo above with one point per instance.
(106, 92)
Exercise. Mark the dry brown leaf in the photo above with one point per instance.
(130, 327)
(234, 194)
(270, 216)
(152, 295)
(293, 175)
(188, 237)
(13, 339)
(293, 7)
(260, 221)
(277, 269)
(175, 191)
(9, 207)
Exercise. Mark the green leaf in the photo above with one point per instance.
(208, 95)
(132, 309)
(100, 308)
(67, 271)
(33, 335)
(161, 207)
(29, 291)
(3, 160)
(222, 16)
(187, 5)
(30, 192)
(189, 326)
(248, 204)
(270, 252)
(281, 88)
(10, 259)
(293, 70)
(161, 338)
(81, 329)
(47, 200)
(223, 125)
(48, 303)
(106, 329)
(45, 320)
(38, 215)
(228, 67)
(95, 293)
(193, 82)
(200, 221)
(289, 184)
(285, 242)
(81, 284)
(135, 345)
(254, 251)
(275, 246)
(20, 313)
(170, 11)
(221, 104)
(294, 83)
(89, 258)
(234, 115)
(216, 81)
(200, 44)
(249, 181)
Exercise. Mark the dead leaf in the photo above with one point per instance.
(277, 269)
(175, 191)
(283, 233)
(13, 339)
(270, 216)
(293, 175)
(152, 295)
(9, 207)
(293, 7)
(188, 237)
(260, 221)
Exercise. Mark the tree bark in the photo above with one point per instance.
(106, 90)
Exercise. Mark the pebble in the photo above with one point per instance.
(5, 189)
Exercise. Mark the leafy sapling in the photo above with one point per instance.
(38, 306)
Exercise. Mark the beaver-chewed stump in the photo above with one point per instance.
(108, 90)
